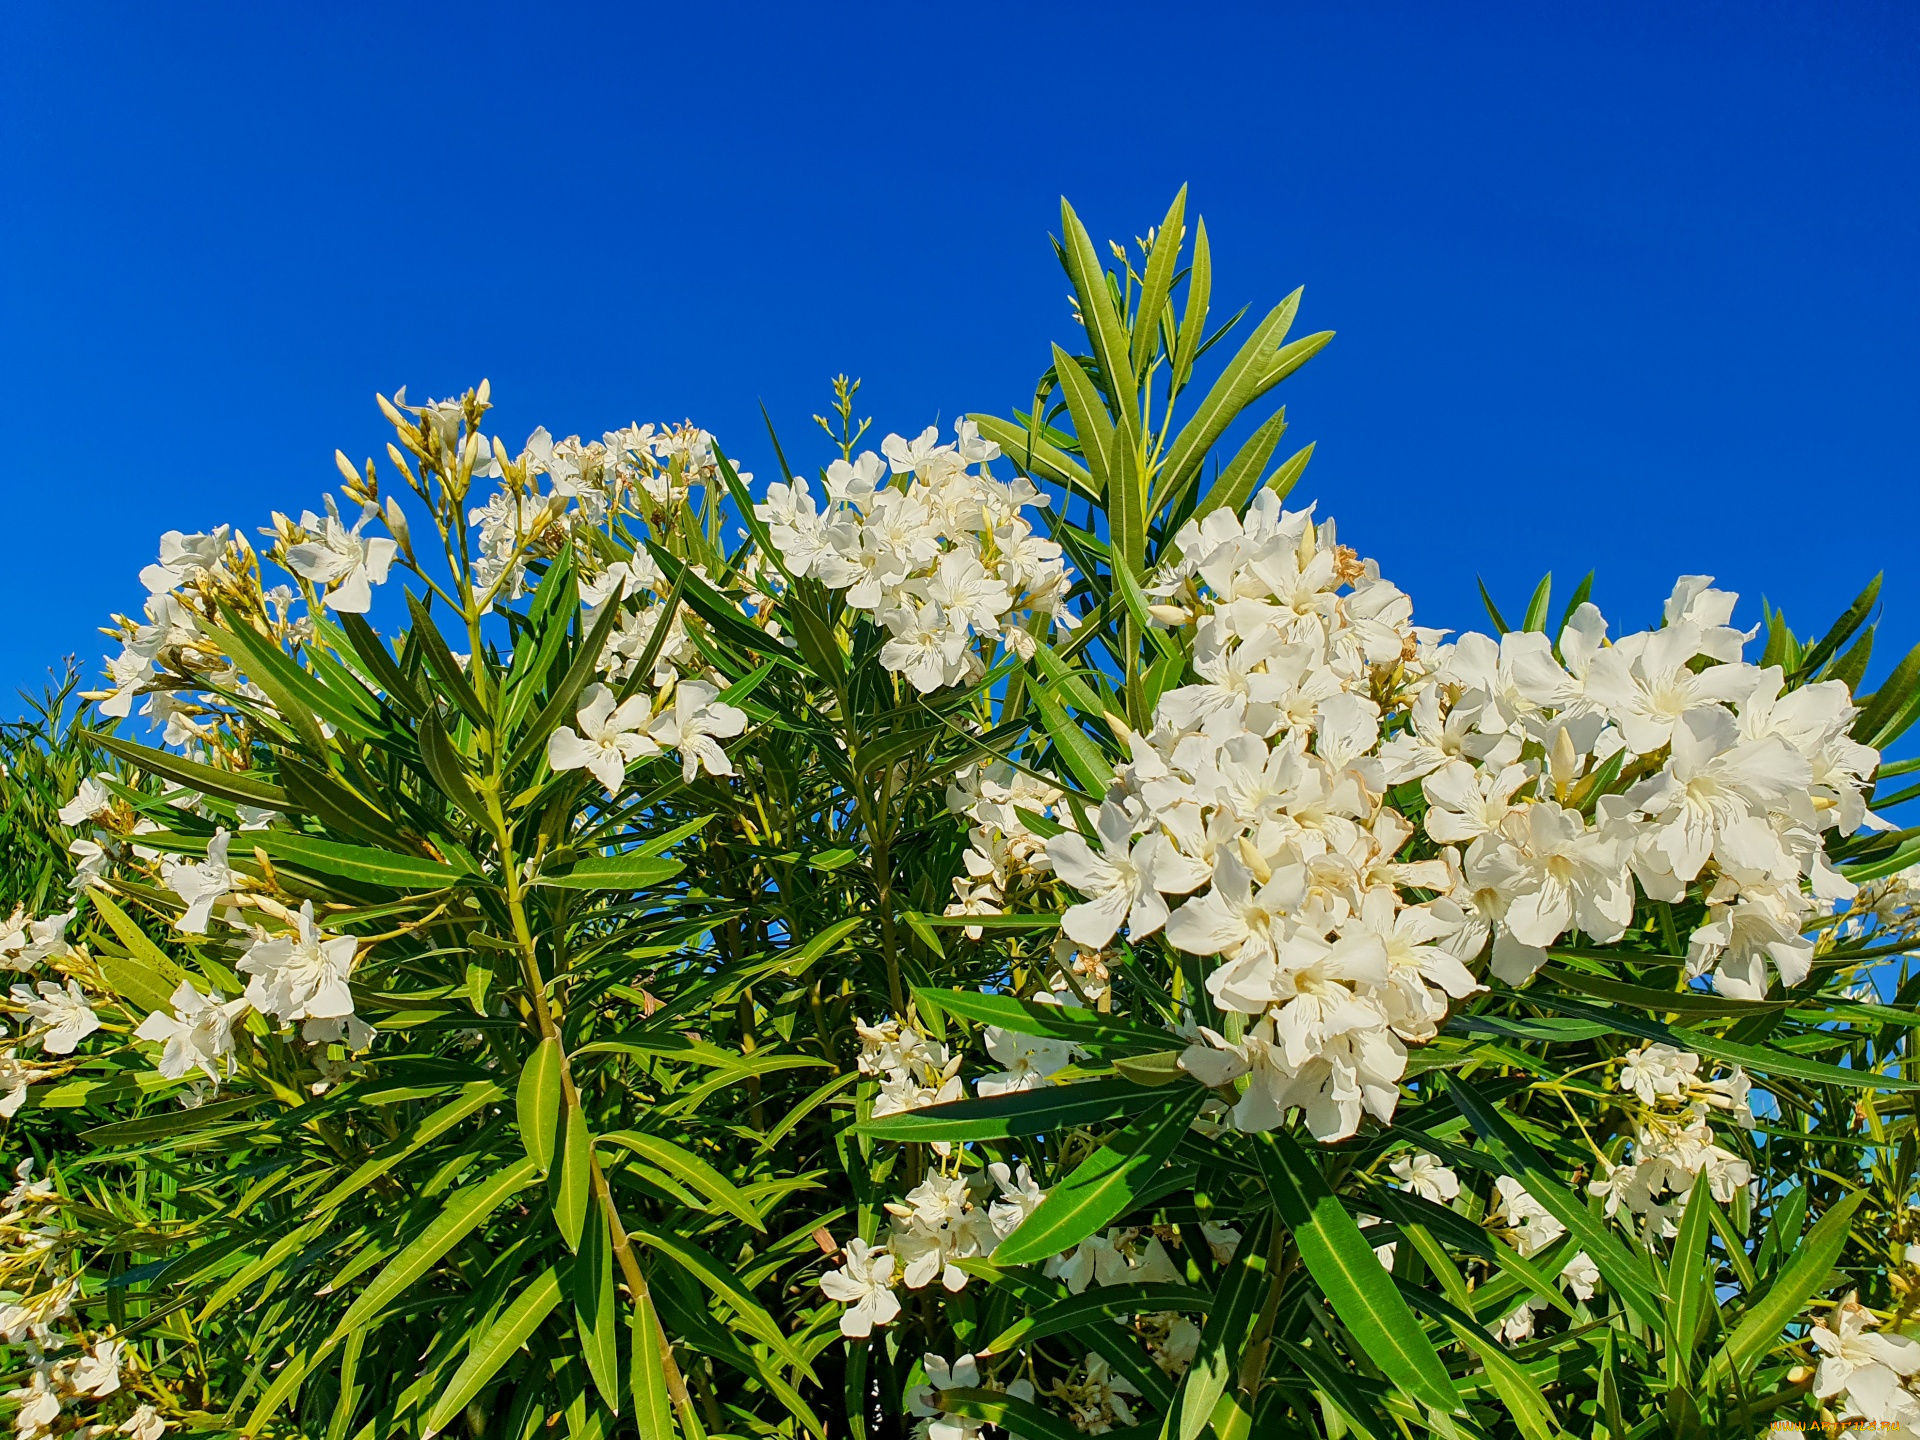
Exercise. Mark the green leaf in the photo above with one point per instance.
(1524, 1163)
(1089, 766)
(147, 975)
(384, 868)
(684, 1165)
(1025, 1112)
(239, 787)
(1037, 456)
(1193, 321)
(1761, 1060)
(1106, 330)
(652, 1405)
(371, 651)
(1087, 1028)
(448, 671)
(1536, 617)
(1493, 611)
(1016, 1416)
(615, 872)
(1105, 1184)
(1759, 1328)
(474, 1096)
(493, 1349)
(1516, 1390)
(1236, 1300)
(1343, 1264)
(1843, 628)
(466, 1209)
(752, 1317)
(573, 1187)
(1253, 371)
(538, 1103)
(591, 1288)
(1240, 475)
(1689, 1282)
(1162, 262)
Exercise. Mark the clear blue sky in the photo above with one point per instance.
(1624, 286)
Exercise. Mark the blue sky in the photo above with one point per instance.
(1627, 287)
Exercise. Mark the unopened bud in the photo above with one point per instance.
(387, 409)
(345, 466)
(1564, 760)
(1171, 616)
(397, 526)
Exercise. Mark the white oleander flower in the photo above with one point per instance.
(337, 558)
(1123, 881)
(64, 1017)
(199, 1033)
(302, 976)
(201, 884)
(1426, 1176)
(1868, 1371)
(694, 724)
(610, 737)
(864, 1284)
(90, 800)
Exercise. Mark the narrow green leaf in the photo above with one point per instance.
(1536, 617)
(573, 1187)
(385, 868)
(1760, 1327)
(750, 1315)
(590, 1286)
(239, 787)
(683, 1164)
(1105, 1184)
(1524, 1163)
(1343, 1264)
(1236, 1300)
(538, 1103)
(1083, 1027)
(1689, 1283)
(1162, 263)
(615, 872)
(652, 1405)
(1025, 1112)
(1082, 756)
(1516, 1390)
(453, 679)
(148, 976)
(1762, 1060)
(495, 1348)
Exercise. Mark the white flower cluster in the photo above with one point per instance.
(1262, 793)
(38, 1297)
(944, 1219)
(1001, 851)
(1259, 791)
(1732, 786)
(1673, 1143)
(962, 1374)
(938, 560)
(641, 470)
(686, 716)
(1531, 1228)
(914, 1070)
(1873, 1377)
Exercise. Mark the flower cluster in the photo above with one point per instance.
(913, 1069)
(35, 1296)
(941, 560)
(1003, 854)
(943, 1220)
(1259, 792)
(1873, 1377)
(1570, 772)
(1673, 1144)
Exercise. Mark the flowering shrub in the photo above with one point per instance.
(1017, 933)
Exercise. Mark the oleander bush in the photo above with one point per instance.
(1010, 933)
